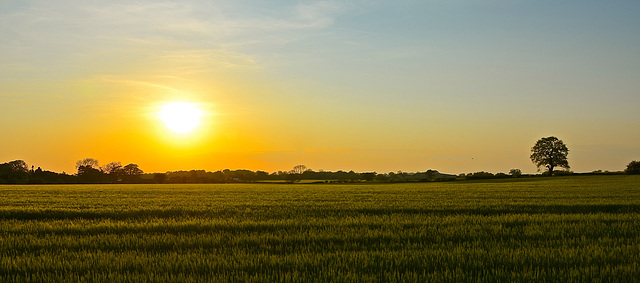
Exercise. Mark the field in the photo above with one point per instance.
(584, 228)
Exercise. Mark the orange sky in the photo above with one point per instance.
(458, 88)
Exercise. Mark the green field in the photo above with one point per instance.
(581, 228)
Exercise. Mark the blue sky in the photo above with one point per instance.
(458, 86)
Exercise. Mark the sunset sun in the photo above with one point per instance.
(181, 117)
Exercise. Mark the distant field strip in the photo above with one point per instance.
(572, 229)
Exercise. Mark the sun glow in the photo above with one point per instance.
(181, 117)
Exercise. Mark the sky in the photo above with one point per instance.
(456, 86)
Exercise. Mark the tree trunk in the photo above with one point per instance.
(550, 171)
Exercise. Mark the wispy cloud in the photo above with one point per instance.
(318, 14)
(192, 33)
(115, 79)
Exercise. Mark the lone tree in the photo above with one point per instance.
(550, 152)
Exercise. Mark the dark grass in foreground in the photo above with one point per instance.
(548, 229)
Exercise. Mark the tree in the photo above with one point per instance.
(515, 173)
(88, 162)
(14, 172)
(633, 167)
(89, 171)
(295, 175)
(299, 169)
(88, 174)
(19, 166)
(131, 172)
(431, 175)
(550, 152)
(114, 170)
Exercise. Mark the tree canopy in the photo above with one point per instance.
(88, 162)
(550, 152)
(633, 167)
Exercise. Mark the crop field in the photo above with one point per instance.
(568, 229)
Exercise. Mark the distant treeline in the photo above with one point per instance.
(89, 172)
(230, 176)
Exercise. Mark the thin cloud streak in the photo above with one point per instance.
(168, 30)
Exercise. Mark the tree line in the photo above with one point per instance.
(297, 174)
(549, 153)
(89, 171)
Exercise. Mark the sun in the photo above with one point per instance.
(181, 117)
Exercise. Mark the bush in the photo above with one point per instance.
(559, 173)
(563, 173)
(480, 175)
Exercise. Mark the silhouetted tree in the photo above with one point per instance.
(633, 167)
(131, 173)
(295, 175)
(19, 166)
(89, 171)
(515, 173)
(114, 170)
(131, 170)
(550, 152)
(90, 162)
(298, 169)
(112, 167)
(430, 175)
(14, 172)
(88, 174)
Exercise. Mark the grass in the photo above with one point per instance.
(571, 229)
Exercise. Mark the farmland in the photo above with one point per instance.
(532, 229)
